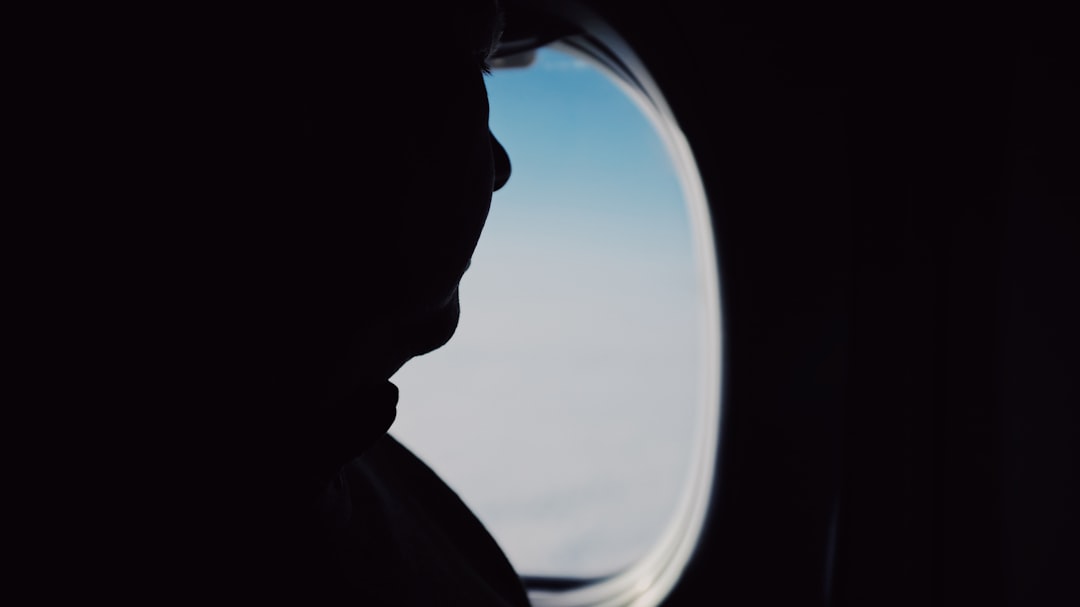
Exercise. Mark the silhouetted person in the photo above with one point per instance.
(275, 210)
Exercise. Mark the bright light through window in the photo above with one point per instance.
(563, 411)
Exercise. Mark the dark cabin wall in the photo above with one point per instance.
(1039, 330)
(895, 203)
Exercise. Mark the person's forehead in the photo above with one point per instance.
(472, 25)
(489, 20)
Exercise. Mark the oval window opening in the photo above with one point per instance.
(566, 411)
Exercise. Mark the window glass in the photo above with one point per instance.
(563, 410)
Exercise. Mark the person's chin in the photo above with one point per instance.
(400, 341)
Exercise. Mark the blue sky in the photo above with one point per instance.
(563, 409)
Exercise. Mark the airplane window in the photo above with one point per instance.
(566, 409)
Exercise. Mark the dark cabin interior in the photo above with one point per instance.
(895, 202)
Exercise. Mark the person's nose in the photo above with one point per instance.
(501, 162)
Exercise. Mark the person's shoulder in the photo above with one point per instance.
(409, 526)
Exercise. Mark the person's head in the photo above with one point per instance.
(309, 194)
(405, 167)
(344, 176)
